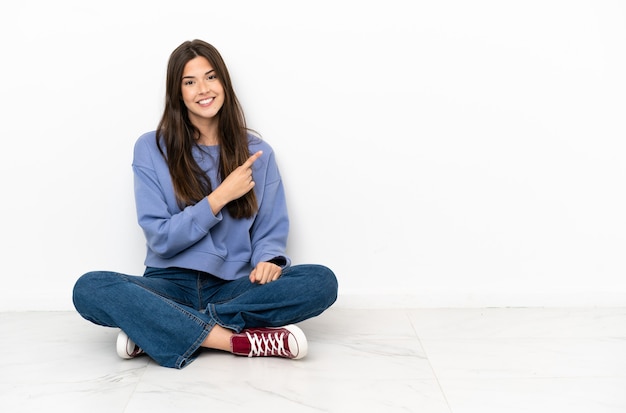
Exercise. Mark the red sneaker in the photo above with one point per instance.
(288, 341)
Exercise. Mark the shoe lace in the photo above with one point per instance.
(267, 344)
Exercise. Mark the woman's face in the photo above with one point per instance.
(202, 91)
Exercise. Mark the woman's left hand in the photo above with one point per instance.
(265, 272)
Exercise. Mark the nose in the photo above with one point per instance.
(203, 87)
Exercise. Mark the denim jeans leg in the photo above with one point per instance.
(302, 292)
(169, 331)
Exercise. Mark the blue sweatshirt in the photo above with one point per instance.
(194, 237)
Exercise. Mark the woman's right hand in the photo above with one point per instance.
(238, 183)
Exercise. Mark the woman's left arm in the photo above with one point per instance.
(270, 229)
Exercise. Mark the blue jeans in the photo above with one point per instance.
(169, 312)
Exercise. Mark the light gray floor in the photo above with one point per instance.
(412, 360)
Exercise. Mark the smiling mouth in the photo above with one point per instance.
(205, 101)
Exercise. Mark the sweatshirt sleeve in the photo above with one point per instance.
(271, 226)
(167, 229)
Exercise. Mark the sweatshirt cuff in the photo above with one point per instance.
(280, 260)
(203, 215)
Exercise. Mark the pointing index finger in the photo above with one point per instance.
(251, 159)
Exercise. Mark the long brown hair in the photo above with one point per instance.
(178, 136)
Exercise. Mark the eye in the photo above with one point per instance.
(212, 76)
(188, 82)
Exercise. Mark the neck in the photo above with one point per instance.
(207, 140)
(208, 134)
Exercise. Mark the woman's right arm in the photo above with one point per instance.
(237, 184)
(167, 229)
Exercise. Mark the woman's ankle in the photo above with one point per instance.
(218, 338)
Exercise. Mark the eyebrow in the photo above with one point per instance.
(193, 77)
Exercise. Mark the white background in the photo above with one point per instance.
(435, 153)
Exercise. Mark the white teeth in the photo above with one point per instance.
(205, 101)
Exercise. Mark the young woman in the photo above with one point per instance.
(211, 203)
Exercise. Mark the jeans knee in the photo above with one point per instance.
(88, 287)
(328, 283)
(83, 289)
(91, 295)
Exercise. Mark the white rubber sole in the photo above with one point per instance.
(297, 340)
(124, 346)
